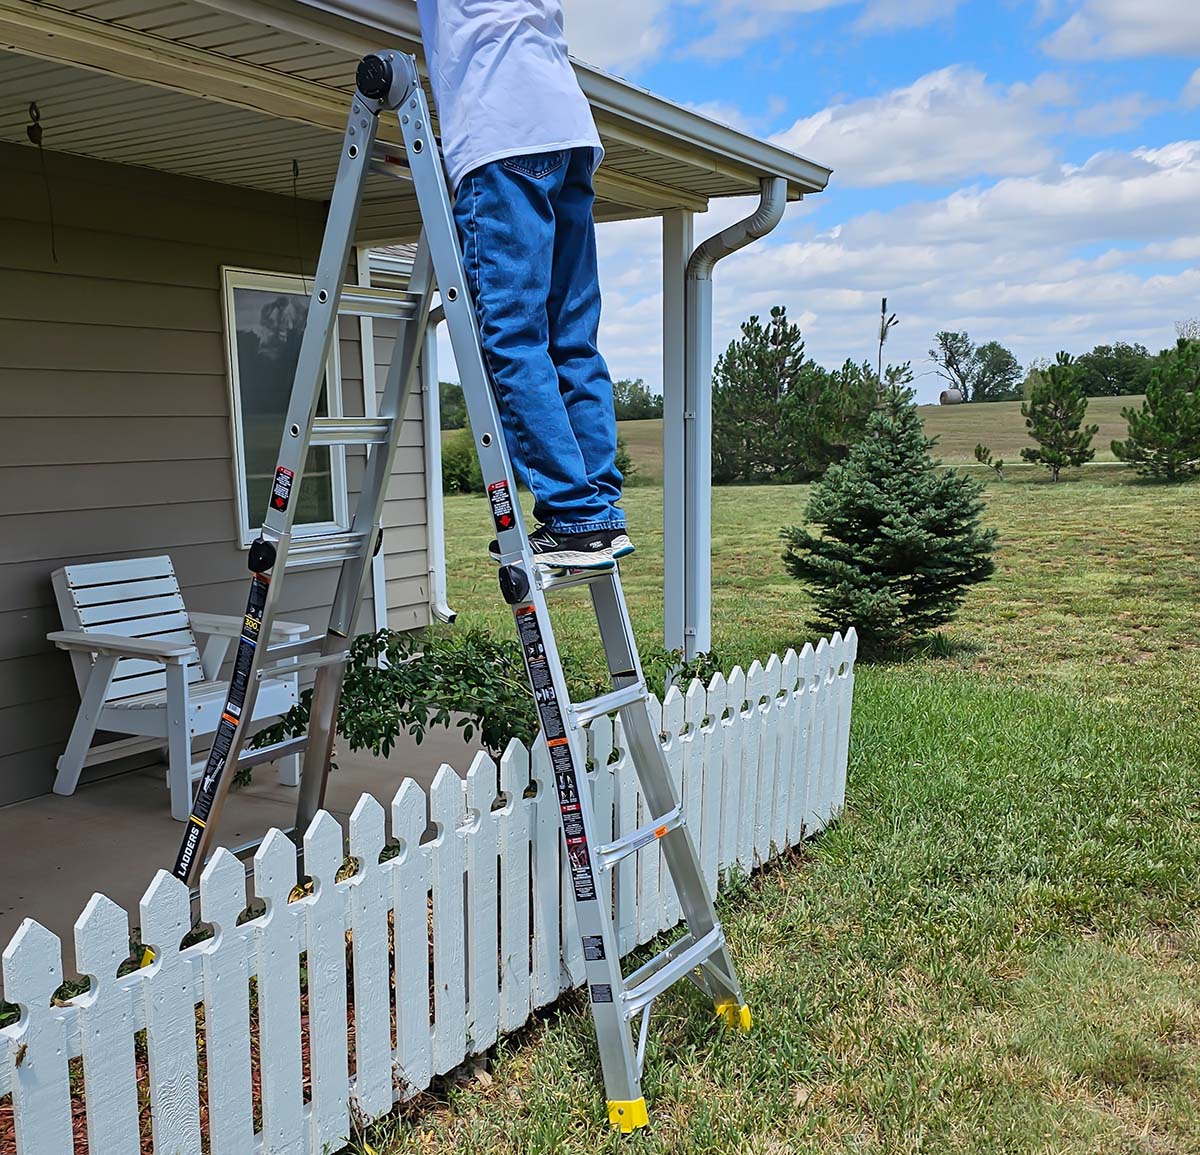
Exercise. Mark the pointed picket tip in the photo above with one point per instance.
(275, 867)
(852, 643)
(672, 712)
(223, 890)
(695, 703)
(514, 768)
(755, 671)
(367, 830)
(408, 817)
(481, 766)
(324, 850)
(481, 786)
(101, 940)
(774, 665)
(445, 774)
(717, 683)
(165, 913)
(32, 965)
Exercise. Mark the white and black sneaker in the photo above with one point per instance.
(557, 550)
(621, 545)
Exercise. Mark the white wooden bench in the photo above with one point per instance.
(141, 671)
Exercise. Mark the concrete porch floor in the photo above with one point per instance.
(112, 836)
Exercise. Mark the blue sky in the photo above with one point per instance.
(1026, 169)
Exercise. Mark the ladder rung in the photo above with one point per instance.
(351, 431)
(550, 580)
(295, 649)
(391, 166)
(608, 855)
(324, 549)
(607, 703)
(312, 662)
(665, 969)
(392, 304)
(272, 752)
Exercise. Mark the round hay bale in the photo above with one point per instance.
(950, 397)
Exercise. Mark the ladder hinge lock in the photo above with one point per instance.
(374, 77)
(262, 556)
(514, 584)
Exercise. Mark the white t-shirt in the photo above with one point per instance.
(502, 81)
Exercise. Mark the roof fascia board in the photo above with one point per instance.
(623, 108)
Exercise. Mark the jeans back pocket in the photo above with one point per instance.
(535, 164)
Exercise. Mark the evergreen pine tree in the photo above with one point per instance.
(1164, 437)
(1054, 416)
(900, 542)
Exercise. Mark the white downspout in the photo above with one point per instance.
(697, 409)
(431, 410)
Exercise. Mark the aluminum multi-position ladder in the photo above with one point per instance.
(387, 82)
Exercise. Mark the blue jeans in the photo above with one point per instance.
(529, 244)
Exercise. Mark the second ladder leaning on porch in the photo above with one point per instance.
(387, 82)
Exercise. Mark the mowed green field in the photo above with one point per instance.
(958, 428)
(997, 949)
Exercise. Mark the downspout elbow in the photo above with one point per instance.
(771, 203)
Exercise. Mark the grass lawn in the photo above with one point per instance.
(998, 948)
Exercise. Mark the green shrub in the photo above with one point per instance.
(463, 677)
(900, 542)
(460, 464)
(1164, 436)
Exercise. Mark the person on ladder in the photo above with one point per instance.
(520, 148)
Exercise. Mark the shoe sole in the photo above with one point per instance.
(572, 559)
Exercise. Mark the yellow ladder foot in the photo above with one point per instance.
(735, 1016)
(628, 1114)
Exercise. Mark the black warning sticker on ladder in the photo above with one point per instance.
(601, 992)
(281, 490)
(218, 757)
(502, 507)
(537, 664)
(593, 947)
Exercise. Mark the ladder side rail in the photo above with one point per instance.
(277, 525)
(567, 744)
(356, 571)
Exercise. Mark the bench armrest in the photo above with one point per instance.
(228, 626)
(169, 653)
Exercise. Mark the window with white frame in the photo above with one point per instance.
(264, 324)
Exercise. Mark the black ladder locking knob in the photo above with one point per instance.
(374, 77)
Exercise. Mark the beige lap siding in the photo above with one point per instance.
(115, 436)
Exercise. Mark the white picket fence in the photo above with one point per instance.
(453, 941)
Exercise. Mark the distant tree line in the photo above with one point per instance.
(633, 400)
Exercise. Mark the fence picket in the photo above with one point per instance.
(787, 777)
(410, 881)
(673, 710)
(369, 903)
(483, 906)
(106, 1029)
(41, 1088)
(515, 934)
(694, 706)
(226, 972)
(279, 946)
(324, 916)
(445, 853)
(455, 914)
(712, 806)
(547, 830)
(731, 786)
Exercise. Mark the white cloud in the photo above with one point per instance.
(1116, 28)
(1015, 262)
(1191, 90)
(1117, 115)
(887, 14)
(946, 125)
(617, 33)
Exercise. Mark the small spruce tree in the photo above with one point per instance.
(1054, 416)
(1164, 437)
(984, 456)
(900, 542)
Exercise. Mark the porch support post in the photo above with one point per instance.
(697, 410)
(676, 249)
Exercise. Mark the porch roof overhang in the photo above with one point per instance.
(234, 90)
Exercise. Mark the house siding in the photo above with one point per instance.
(115, 432)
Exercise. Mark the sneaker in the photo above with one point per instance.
(558, 550)
(621, 545)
